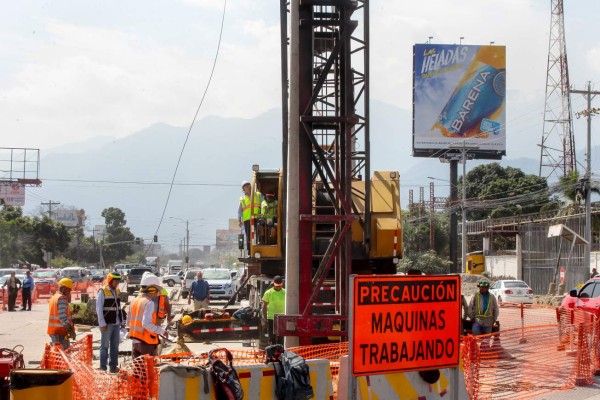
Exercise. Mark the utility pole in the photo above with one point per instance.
(588, 169)
(50, 203)
(187, 243)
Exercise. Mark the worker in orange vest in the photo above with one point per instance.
(60, 321)
(143, 328)
(162, 304)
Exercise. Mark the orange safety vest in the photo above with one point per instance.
(55, 327)
(136, 330)
(162, 306)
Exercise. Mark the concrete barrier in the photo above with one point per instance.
(402, 386)
(179, 382)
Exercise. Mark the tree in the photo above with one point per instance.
(489, 182)
(116, 232)
(427, 262)
(415, 234)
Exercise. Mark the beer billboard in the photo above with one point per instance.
(459, 100)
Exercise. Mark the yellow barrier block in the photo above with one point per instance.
(401, 386)
(179, 382)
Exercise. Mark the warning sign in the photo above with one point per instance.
(404, 323)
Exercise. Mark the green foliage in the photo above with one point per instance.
(416, 233)
(427, 262)
(116, 232)
(62, 262)
(492, 182)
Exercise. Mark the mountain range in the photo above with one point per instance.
(133, 173)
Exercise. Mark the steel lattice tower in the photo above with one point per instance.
(557, 157)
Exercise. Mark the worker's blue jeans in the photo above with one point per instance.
(110, 341)
(479, 329)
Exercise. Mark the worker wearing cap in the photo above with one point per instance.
(60, 322)
(483, 310)
(247, 208)
(273, 303)
(268, 211)
(143, 328)
(110, 318)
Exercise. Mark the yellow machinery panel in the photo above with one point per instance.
(475, 263)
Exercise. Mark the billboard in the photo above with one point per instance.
(71, 218)
(13, 194)
(459, 100)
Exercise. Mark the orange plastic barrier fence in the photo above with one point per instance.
(137, 380)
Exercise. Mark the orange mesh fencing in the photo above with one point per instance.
(136, 381)
(519, 315)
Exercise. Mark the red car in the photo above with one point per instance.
(587, 299)
(45, 280)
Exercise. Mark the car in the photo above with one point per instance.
(222, 282)
(97, 275)
(45, 280)
(512, 291)
(4, 278)
(171, 279)
(77, 274)
(586, 299)
(134, 277)
(7, 271)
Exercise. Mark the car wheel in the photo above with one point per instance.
(171, 282)
(499, 300)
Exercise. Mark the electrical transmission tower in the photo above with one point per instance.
(557, 157)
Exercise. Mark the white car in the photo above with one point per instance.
(222, 282)
(172, 279)
(512, 291)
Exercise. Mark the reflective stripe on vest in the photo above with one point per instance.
(478, 299)
(162, 307)
(111, 305)
(245, 203)
(136, 329)
(55, 327)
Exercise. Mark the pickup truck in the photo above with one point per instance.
(134, 278)
(172, 279)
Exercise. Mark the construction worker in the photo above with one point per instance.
(13, 284)
(110, 318)
(26, 291)
(199, 292)
(245, 212)
(483, 310)
(268, 212)
(143, 328)
(273, 303)
(60, 322)
(162, 305)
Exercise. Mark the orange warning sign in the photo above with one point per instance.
(404, 323)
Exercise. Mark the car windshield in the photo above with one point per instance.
(71, 273)
(138, 271)
(515, 284)
(216, 274)
(4, 278)
(6, 271)
(44, 274)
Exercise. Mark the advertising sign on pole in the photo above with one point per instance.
(562, 274)
(71, 218)
(13, 194)
(459, 99)
(404, 323)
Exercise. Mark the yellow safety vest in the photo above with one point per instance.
(479, 303)
(269, 210)
(245, 203)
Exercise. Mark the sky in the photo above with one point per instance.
(73, 70)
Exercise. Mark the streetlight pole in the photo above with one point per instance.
(464, 214)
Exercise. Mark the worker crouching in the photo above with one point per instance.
(143, 328)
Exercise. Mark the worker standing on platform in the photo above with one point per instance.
(110, 318)
(483, 310)
(273, 303)
(199, 292)
(60, 322)
(268, 211)
(245, 212)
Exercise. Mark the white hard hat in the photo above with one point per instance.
(244, 183)
(149, 280)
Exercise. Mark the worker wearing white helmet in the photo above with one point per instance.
(248, 207)
(143, 328)
(60, 321)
